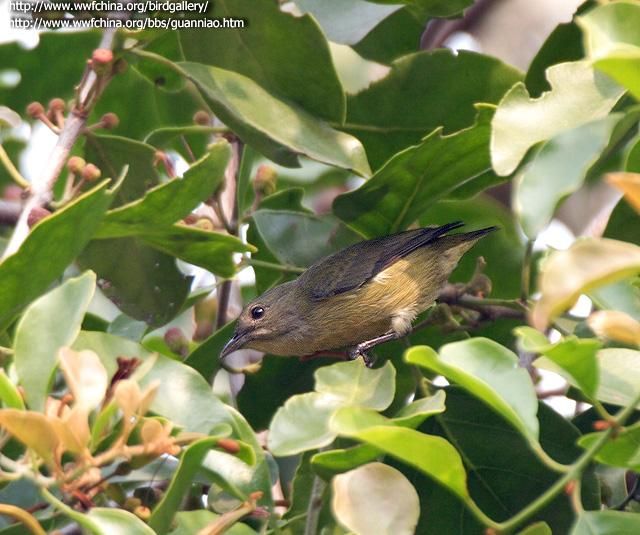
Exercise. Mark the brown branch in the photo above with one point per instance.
(42, 189)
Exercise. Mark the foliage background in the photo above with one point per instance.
(317, 125)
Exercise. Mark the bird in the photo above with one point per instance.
(361, 296)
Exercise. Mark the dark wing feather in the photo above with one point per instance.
(354, 266)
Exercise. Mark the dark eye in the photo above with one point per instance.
(257, 313)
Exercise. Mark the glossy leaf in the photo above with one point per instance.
(9, 393)
(575, 356)
(578, 95)
(50, 323)
(623, 450)
(622, 296)
(612, 43)
(58, 238)
(302, 423)
(399, 110)
(142, 282)
(299, 239)
(587, 264)
(167, 203)
(346, 21)
(558, 169)
(414, 179)
(539, 528)
(355, 384)
(619, 375)
(500, 484)
(431, 455)
(490, 372)
(205, 358)
(210, 250)
(190, 522)
(274, 49)
(335, 461)
(389, 506)
(190, 461)
(85, 376)
(103, 520)
(605, 523)
(436, 8)
(275, 127)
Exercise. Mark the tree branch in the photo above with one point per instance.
(42, 189)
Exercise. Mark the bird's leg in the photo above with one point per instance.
(362, 349)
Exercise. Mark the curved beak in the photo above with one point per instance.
(237, 342)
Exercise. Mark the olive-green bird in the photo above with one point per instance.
(357, 298)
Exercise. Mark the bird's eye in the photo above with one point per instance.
(257, 313)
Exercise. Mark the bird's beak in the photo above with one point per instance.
(238, 340)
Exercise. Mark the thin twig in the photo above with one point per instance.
(314, 506)
(526, 272)
(11, 169)
(42, 188)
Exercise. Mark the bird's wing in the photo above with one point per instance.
(354, 266)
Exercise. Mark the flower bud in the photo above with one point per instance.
(229, 445)
(57, 104)
(615, 325)
(265, 180)
(91, 173)
(37, 214)
(76, 164)
(110, 121)
(202, 118)
(35, 110)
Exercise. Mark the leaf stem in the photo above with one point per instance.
(271, 265)
(574, 473)
(525, 287)
(12, 171)
(315, 504)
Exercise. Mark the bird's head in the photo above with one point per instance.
(264, 318)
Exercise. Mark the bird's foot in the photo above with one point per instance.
(361, 351)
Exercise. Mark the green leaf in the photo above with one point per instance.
(113, 153)
(346, 21)
(622, 296)
(66, 54)
(619, 375)
(51, 322)
(612, 42)
(432, 455)
(275, 127)
(414, 179)
(58, 239)
(210, 250)
(435, 8)
(275, 50)
(279, 378)
(606, 523)
(390, 506)
(205, 358)
(623, 450)
(501, 482)
(109, 521)
(167, 203)
(335, 461)
(190, 522)
(539, 528)
(355, 384)
(9, 394)
(299, 239)
(302, 423)
(578, 95)
(143, 283)
(414, 414)
(576, 357)
(190, 461)
(490, 372)
(400, 109)
(557, 170)
(395, 36)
